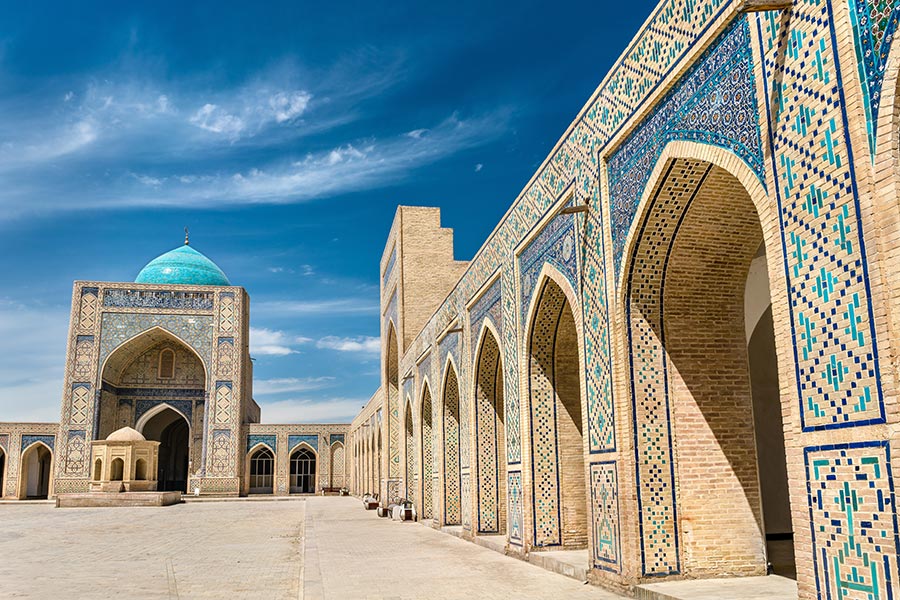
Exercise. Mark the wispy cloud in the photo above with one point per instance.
(364, 344)
(268, 387)
(301, 410)
(105, 138)
(271, 342)
(333, 306)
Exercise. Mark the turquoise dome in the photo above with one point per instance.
(182, 266)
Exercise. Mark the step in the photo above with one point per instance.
(772, 587)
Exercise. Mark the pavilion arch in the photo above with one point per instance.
(409, 453)
(490, 431)
(429, 466)
(451, 425)
(168, 425)
(704, 219)
(159, 408)
(557, 414)
(259, 469)
(36, 471)
(338, 470)
(304, 469)
(392, 393)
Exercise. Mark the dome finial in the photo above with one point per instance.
(187, 241)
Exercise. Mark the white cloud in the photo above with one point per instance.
(286, 106)
(478, 167)
(333, 410)
(212, 118)
(267, 387)
(363, 343)
(271, 342)
(416, 134)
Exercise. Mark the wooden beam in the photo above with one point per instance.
(751, 6)
(571, 210)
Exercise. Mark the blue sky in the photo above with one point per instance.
(284, 135)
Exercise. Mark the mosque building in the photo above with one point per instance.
(168, 355)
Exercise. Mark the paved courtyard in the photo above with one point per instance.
(313, 548)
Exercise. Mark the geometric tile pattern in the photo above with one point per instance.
(77, 451)
(874, 26)
(411, 468)
(605, 515)
(222, 452)
(452, 504)
(222, 410)
(28, 440)
(194, 330)
(516, 514)
(852, 514)
(650, 401)
(714, 103)
(81, 399)
(429, 473)
(837, 370)
(269, 440)
(555, 245)
(311, 440)
(488, 433)
(544, 444)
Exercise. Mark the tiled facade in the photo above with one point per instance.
(721, 135)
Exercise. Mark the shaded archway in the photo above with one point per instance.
(261, 471)
(452, 466)
(410, 452)
(170, 428)
(700, 398)
(2, 472)
(391, 382)
(35, 468)
(429, 470)
(303, 470)
(490, 455)
(559, 500)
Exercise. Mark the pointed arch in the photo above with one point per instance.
(490, 432)
(304, 462)
(451, 426)
(260, 469)
(391, 385)
(556, 401)
(429, 468)
(126, 352)
(412, 474)
(152, 412)
(36, 471)
(703, 219)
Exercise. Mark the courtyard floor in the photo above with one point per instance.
(308, 548)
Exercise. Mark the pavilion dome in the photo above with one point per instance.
(126, 434)
(182, 266)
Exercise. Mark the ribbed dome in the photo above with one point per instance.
(182, 266)
(126, 434)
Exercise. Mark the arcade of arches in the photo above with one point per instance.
(675, 355)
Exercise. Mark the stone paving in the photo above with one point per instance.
(242, 549)
(239, 550)
(351, 553)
